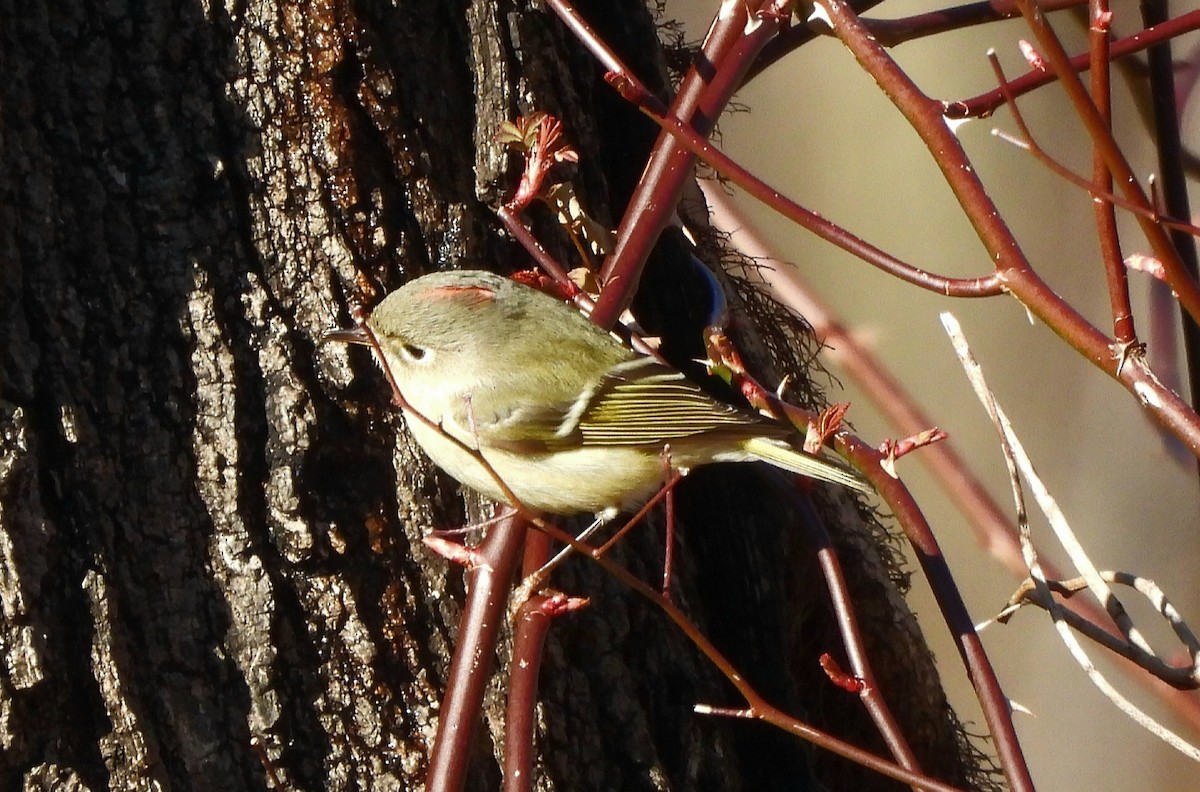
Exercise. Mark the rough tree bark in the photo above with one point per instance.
(210, 525)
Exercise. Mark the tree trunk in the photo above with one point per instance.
(211, 566)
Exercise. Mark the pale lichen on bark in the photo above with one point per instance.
(24, 536)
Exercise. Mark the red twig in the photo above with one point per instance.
(986, 104)
(925, 116)
(671, 477)
(758, 707)
(532, 624)
(891, 32)
(688, 138)
(641, 513)
(992, 525)
(1026, 142)
(994, 528)
(702, 96)
(483, 615)
(1115, 272)
(1182, 282)
(548, 263)
(860, 665)
(1170, 165)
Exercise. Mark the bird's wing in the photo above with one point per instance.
(645, 403)
(638, 402)
(642, 402)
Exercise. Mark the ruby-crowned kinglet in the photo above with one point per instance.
(571, 419)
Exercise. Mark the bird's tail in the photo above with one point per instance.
(784, 456)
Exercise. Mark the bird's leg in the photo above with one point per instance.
(469, 527)
(672, 480)
(669, 488)
(533, 581)
(673, 476)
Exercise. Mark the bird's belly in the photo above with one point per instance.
(588, 479)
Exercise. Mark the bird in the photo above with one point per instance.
(569, 417)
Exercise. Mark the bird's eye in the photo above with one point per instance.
(413, 353)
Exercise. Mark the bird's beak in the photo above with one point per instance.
(351, 335)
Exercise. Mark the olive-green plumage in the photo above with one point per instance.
(571, 419)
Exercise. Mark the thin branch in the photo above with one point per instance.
(1027, 143)
(529, 637)
(852, 640)
(1016, 458)
(732, 47)
(1115, 273)
(1182, 282)
(1170, 166)
(479, 630)
(983, 286)
(994, 530)
(758, 707)
(1179, 677)
(548, 263)
(892, 32)
(985, 104)
(1014, 269)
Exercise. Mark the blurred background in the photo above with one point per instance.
(819, 130)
